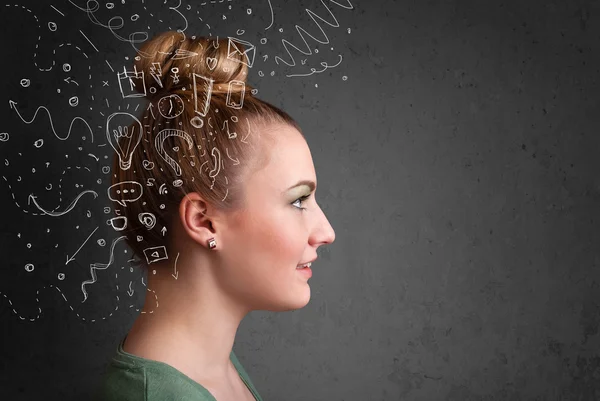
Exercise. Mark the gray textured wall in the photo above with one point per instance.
(458, 164)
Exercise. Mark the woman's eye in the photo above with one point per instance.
(301, 199)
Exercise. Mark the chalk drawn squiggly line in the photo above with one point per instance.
(100, 266)
(32, 198)
(92, 6)
(117, 22)
(182, 16)
(48, 188)
(37, 294)
(302, 32)
(315, 71)
(68, 79)
(37, 43)
(13, 105)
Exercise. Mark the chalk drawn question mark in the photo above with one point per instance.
(158, 144)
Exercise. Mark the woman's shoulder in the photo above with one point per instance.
(122, 382)
(131, 378)
(140, 383)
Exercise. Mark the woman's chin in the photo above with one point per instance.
(290, 304)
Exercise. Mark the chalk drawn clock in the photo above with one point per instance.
(170, 106)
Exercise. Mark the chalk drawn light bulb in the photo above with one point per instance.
(124, 133)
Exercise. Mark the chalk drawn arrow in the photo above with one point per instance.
(176, 274)
(69, 80)
(72, 258)
(151, 108)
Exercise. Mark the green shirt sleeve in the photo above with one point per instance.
(132, 378)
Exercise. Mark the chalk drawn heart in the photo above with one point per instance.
(148, 165)
(211, 62)
(176, 149)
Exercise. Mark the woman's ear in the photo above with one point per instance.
(196, 218)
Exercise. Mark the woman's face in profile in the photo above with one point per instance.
(273, 235)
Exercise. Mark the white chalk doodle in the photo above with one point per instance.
(216, 155)
(158, 144)
(124, 133)
(235, 94)
(181, 54)
(32, 198)
(202, 93)
(272, 15)
(147, 164)
(197, 122)
(237, 48)
(155, 254)
(230, 135)
(147, 219)
(156, 73)
(125, 191)
(100, 266)
(57, 10)
(118, 223)
(13, 105)
(170, 106)
(315, 71)
(175, 76)
(162, 190)
(51, 26)
(72, 257)
(175, 273)
(211, 62)
(130, 81)
(94, 46)
(304, 33)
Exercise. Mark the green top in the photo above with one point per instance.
(133, 378)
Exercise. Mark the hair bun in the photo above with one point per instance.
(170, 59)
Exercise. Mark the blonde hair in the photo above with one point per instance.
(212, 145)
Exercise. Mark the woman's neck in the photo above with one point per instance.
(187, 322)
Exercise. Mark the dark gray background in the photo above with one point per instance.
(458, 165)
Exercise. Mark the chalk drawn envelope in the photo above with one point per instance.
(234, 50)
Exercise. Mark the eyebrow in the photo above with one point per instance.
(309, 183)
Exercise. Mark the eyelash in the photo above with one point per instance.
(301, 199)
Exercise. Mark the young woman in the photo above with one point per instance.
(225, 224)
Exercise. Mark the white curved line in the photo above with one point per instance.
(272, 15)
(67, 210)
(94, 266)
(13, 105)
